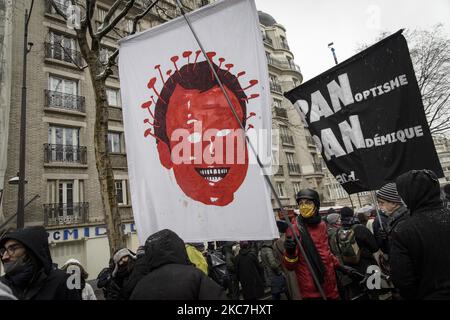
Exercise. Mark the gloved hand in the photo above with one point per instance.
(290, 245)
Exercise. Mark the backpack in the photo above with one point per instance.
(348, 247)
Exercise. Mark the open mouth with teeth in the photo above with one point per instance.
(213, 174)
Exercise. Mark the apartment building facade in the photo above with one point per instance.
(299, 161)
(60, 159)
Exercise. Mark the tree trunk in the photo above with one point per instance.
(113, 221)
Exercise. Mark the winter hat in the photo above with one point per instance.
(346, 212)
(389, 193)
(332, 218)
(119, 255)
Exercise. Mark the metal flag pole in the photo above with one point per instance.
(286, 217)
(377, 208)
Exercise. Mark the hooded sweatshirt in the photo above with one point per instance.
(420, 249)
(45, 282)
(171, 276)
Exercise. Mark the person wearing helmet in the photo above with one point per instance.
(312, 233)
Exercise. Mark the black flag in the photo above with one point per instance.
(367, 118)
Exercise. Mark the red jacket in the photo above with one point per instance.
(305, 280)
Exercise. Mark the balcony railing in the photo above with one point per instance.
(317, 167)
(268, 41)
(283, 64)
(280, 171)
(310, 141)
(58, 52)
(280, 112)
(56, 214)
(64, 153)
(275, 87)
(49, 8)
(287, 139)
(118, 160)
(61, 100)
(294, 168)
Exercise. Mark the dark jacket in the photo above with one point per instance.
(47, 282)
(382, 241)
(420, 250)
(250, 274)
(271, 264)
(171, 276)
(366, 243)
(394, 222)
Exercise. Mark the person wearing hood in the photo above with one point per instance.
(73, 265)
(171, 276)
(312, 233)
(29, 268)
(124, 262)
(420, 249)
(250, 272)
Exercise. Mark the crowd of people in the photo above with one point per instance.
(405, 245)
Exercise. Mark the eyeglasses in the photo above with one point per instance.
(11, 249)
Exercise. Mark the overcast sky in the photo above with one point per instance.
(312, 24)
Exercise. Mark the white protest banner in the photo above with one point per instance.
(190, 167)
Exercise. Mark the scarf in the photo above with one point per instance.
(310, 248)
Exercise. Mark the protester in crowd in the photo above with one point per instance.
(361, 255)
(290, 275)
(391, 204)
(362, 218)
(250, 272)
(194, 251)
(356, 248)
(124, 262)
(104, 278)
(333, 222)
(277, 282)
(140, 269)
(6, 293)
(233, 285)
(371, 220)
(28, 266)
(87, 293)
(420, 259)
(312, 233)
(171, 275)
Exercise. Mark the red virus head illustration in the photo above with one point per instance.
(213, 149)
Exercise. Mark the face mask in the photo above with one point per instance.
(12, 267)
(307, 210)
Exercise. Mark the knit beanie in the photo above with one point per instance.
(389, 193)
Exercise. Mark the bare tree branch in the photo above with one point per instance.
(109, 26)
(90, 5)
